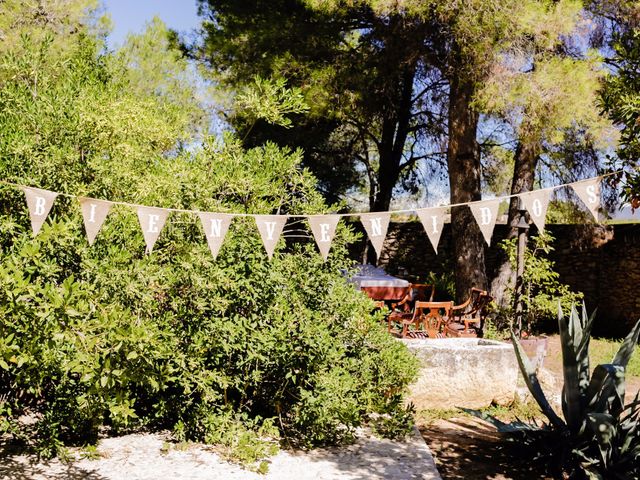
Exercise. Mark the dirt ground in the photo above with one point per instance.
(466, 448)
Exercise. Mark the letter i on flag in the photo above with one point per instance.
(270, 228)
(39, 203)
(486, 214)
(215, 227)
(589, 193)
(376, 225)
(432, 220)
(151, 221)
(323, 228)
(94, 213)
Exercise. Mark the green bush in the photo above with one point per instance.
(107, 336)
(227, 350)
(541, 288)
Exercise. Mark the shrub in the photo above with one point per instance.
(541, 288)
(106, 336)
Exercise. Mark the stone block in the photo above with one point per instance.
(463, 372)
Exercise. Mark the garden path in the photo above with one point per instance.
(141, 457)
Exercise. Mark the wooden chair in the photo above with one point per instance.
(404, 309)
(432, 315)
(467, 319)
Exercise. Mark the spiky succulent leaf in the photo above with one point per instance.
(572, 402)
(628, 346)
(502, 427)
(582, 351)
(603, 426)
(531, 379)
(606, 390)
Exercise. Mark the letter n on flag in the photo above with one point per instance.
(376, 225)
(215, 227)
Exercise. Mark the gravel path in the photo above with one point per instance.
(141, 457)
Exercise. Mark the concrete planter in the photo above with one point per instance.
(463, 372)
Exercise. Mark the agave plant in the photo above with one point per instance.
(597, 435)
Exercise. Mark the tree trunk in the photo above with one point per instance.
(463, 159)
(525, 162)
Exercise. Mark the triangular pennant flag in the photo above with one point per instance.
(589, 193)
(376, 225)
(94, 213)
(486, 214)
(215, 227)
(536, 203)
(39, 203)
(433, 221)
(324, 229)
(151, 221)
(270, 228)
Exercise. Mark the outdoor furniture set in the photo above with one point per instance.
(418, 316)
(415, 314)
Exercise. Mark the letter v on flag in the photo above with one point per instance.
(94, 213)
(39, 203)
(270, 228)
(486, 214)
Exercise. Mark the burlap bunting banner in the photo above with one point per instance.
(39, 203)
(323, 228)
(589, 192)
(376, 225)
(215, 227)
(433, 221)
(537, 203)
(152, 221)
(270, 228)
(486, 214)
(94, 213)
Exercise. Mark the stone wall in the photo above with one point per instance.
(603, 262)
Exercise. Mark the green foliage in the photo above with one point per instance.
(541, 287)
(598, 436)
(225, 351)
(620, 98)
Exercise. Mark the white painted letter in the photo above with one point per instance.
(92, 214)
(271, 228)
(376, 227)
(216, 227)
(536, 206)
(485, 214)
(324, 232)
(591, 192)
(434, 222)
(40, 203)
(153, 226)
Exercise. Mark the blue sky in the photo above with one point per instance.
(130, 16)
